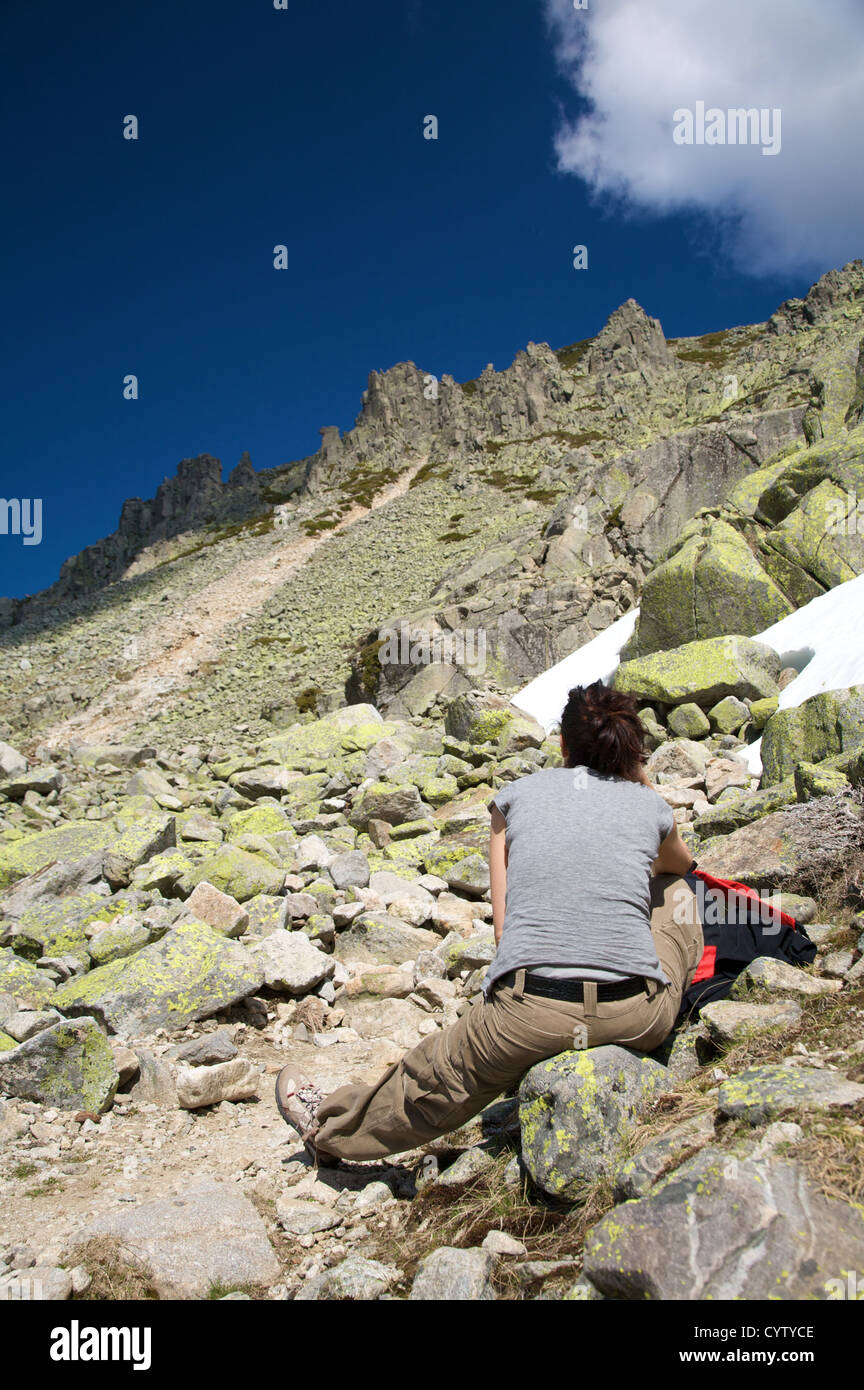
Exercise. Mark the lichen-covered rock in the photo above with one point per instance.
(135, 846)
(378, 937)
(708, 582)
(191, 973)
(72, 842)
(728, 715)
(637, 1175)
(69, 1065)
(239, 874)
(120, 938)
(574, 1110)
(703, 672)
(751, 1229)
(688, 721)
(31, 987)
(389, 802)
(762, 1093)
(828, 723)
(764, 854)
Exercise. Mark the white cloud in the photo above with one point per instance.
(636, 62)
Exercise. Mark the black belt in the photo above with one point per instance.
(574, 990)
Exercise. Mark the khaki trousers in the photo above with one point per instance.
(452, 1074)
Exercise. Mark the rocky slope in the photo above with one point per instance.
(539, 498)
(229, 834)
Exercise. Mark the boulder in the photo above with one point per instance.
(729, 1022)
(752, 1230)
(354, 1278)
(69, 1065)
(454, 1275)
(122, 937)
(238, 874)
(206, 1234)
(220, 911)
(574, 1110)
(30, 986)
(72, 843)
(349, 870)
(380, 938)
(191, 973)
(135, 846)
(387, 801)
(764, 1092)
(290, 963)
(829, 723)
(779, 977)
(703, 672)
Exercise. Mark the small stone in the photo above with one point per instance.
(500, 1243)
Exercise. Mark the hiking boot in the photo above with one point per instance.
(298, 1100)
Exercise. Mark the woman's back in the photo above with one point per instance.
(580, 848)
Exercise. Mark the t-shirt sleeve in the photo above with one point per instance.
(503, 798)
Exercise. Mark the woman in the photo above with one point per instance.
(591, 948)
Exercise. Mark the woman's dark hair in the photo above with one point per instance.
(602, 730)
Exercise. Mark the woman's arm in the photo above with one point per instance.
(498, 870)
(674, 856)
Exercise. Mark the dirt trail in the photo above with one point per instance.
(171, 651)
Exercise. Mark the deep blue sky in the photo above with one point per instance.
(257, 127)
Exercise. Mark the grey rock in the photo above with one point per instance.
(453, 1275)
(38, 1284)
(467, 1166)
(219, 910)
(290, 963)
(206, 1051)
(304, 1218)
(730, 1022)
(29, 1022)
(637, 1175)
(236, 1080)
(350, 869)
(749, 1230)
(779, 978)
(208, 1233)
(354, 1278)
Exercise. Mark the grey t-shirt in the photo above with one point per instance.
(580, 848)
